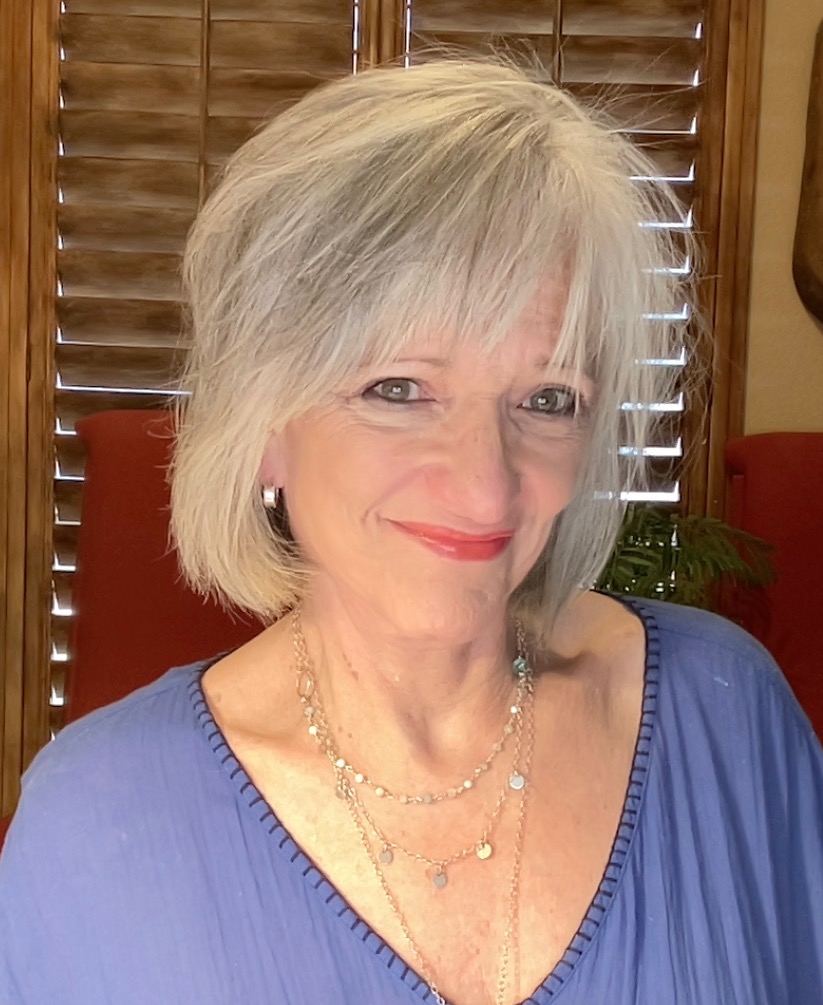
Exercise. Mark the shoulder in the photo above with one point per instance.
(689, 628)
(98, 771)
(697, 643)
(721, 687)
(116, 732)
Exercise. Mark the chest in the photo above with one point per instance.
(506, 918)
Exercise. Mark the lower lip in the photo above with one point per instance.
(461, 549)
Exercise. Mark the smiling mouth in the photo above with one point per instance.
(453, 544)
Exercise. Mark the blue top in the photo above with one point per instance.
(144, 867)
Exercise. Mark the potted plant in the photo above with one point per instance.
(664, 555)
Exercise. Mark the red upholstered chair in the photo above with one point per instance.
(135, 617)
(777, 494)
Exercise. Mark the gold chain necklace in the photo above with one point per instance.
(482, 847)
(318, 725)
(517, 782)
(510, 943)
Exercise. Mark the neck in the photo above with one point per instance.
(430, 705)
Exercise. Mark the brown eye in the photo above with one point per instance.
(556, 401)
(397, 390)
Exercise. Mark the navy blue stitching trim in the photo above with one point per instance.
(626, 829)
(286, 844)
(612, 875)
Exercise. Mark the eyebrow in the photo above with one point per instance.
(441, 362)
(444, 362)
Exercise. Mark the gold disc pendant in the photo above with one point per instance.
(439, 878)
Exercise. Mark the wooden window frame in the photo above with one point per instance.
(727, 213)
(28, 74)
(28, 84)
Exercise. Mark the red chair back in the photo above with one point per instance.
(777, 494)
(134, 615)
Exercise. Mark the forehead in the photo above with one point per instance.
(532, 335)
(545, 310)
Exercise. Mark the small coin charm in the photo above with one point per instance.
(516, 781)
(484, 850)
(440, 879)
(385, 856)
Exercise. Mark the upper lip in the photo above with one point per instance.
(450, 534)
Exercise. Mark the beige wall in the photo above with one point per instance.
(784, 388)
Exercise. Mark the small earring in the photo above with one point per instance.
(271, 496)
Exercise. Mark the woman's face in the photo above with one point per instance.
(427, 489)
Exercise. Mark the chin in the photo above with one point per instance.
(448, 617)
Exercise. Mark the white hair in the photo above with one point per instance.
(396, 202)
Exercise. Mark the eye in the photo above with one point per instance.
(560, 401)
(397, 390)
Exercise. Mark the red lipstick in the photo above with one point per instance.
(454, 544)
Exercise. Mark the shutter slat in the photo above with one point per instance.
(535, 49)
(645, 108)
(639, 18)
(123, 228)
(65, 547)
(257, 93)
(100, 38)
(70, 456)
(588, 59)
(73, 404)
(61, 588)
(67, 500)
(131, 276)
(115, 366)
(504, 17)
(105, 181)
(305, 47)
(108, 321)
(61, 631)
(138, 8)
(172, 89)
(226, 134)
(319, 11)
(674, 157)
(130, 135)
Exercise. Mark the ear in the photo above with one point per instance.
(272, 469)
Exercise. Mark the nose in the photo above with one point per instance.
(478, 478)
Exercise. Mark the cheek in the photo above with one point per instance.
(555, 472)
(335, 477)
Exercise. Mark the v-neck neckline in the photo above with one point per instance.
(334, 901)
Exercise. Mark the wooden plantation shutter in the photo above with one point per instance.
(154, 95)
(647, 57)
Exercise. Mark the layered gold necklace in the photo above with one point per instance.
(382, 850)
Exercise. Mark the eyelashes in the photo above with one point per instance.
(556, 400)
(395, 391)
(551, 401)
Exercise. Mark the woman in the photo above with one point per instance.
(451, 772)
